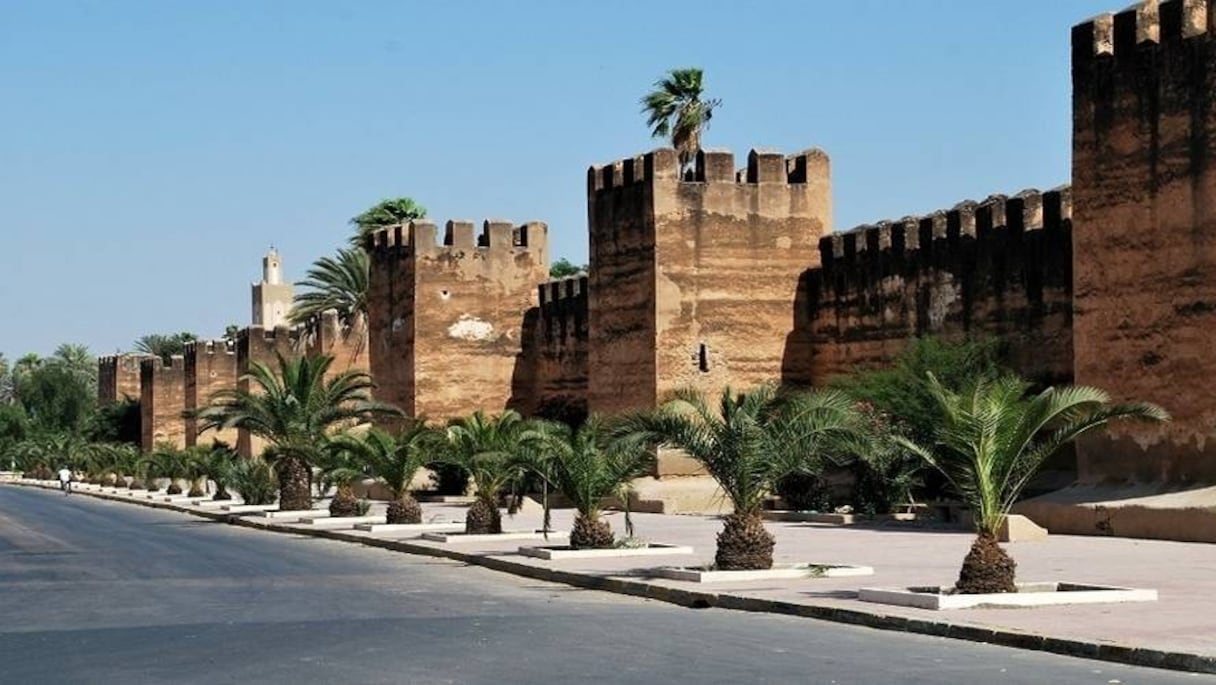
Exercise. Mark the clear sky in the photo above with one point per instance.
(151, 151)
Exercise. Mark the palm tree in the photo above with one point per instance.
(338, 283)
(391, 212)
(294, 409)
(748, 443)
(164, 346)
(589, 465)
(395, 461)
(340, 469)
(491, 450)
(992, 441)
(675, 108)
(166, 461)
(254, 479)
(219, 464)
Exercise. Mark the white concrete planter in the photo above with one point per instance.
(559, 552)
(1028, 595)
(248, 508)
(295, 514)
(338, 522)
(216, 503)
(408, 528)
(792, 572)
(447, 499)
(493, 537)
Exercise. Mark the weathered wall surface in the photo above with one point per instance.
(210, 366)
(118, 378)
(261, 345)
(1144, 185)
(551, 377)
(1002, 267)
(446, 315)
(326, 335)
(162, 400)
(693, 281)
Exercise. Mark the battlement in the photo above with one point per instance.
(423, 238)
(278, 334)
(158, 365)
(1029, 210)
(210, 348)
(560, 291)
(712, 166)
(1119, 35)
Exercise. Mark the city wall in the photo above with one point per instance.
(162, 399)
(1001, 267)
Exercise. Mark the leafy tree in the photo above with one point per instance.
(491, 450)
(389, 212)
(55, 397)
(338, 283)
(564, 267)
(164, 346)
(897, 398)
(992, 439)
(230, 332)
(294, 408)
(676, 108)
(748, 443)
(589, 465)
(115, 422)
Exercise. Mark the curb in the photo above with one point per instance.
(699, 599)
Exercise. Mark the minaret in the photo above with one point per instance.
(272, 297)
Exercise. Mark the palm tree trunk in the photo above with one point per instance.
(344, 502)
(295, 483)
(590, 532)
(483, 517)
(404, 509)
(744, 544)
(986, 568)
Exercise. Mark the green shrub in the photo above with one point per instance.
(805, 492)
(255, 480)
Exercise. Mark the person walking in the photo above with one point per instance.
(65, 480)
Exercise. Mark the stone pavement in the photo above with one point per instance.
(1177, 631)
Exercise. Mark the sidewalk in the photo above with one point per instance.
(1178, 631)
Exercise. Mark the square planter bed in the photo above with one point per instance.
(493, 537)
(248, 508)
(295, 514)
(808, 517)
(338, 522)
(788, 572)
(1028, 595)
(446, 499)
(559, 552)
(408, 528)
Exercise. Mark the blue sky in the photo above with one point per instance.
(151, 151)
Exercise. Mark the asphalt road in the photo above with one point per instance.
(100, 592)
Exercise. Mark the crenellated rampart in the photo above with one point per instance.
(118, 378)
(162, 402)
(551, 377)
(445, 313)
(210, 366)
(1000, 267)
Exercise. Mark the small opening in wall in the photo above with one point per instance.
(703, 358)
(445, 294)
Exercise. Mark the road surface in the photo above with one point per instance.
(103, 592)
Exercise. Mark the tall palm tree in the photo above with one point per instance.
(491, 450)
(992, 441)
(589, 465)
(391, 212)
(338, 283)
(747, 443)
(294, 409)
(164, 346)
(395, 461)
(676, 109)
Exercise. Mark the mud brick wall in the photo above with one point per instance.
(210, 366)
(1144, 185)
(162, 401)
(694, 273)
(1002, 268)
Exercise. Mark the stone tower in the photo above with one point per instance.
(695, 277)
(1144, 234)
(272, 297)
(446, 313)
